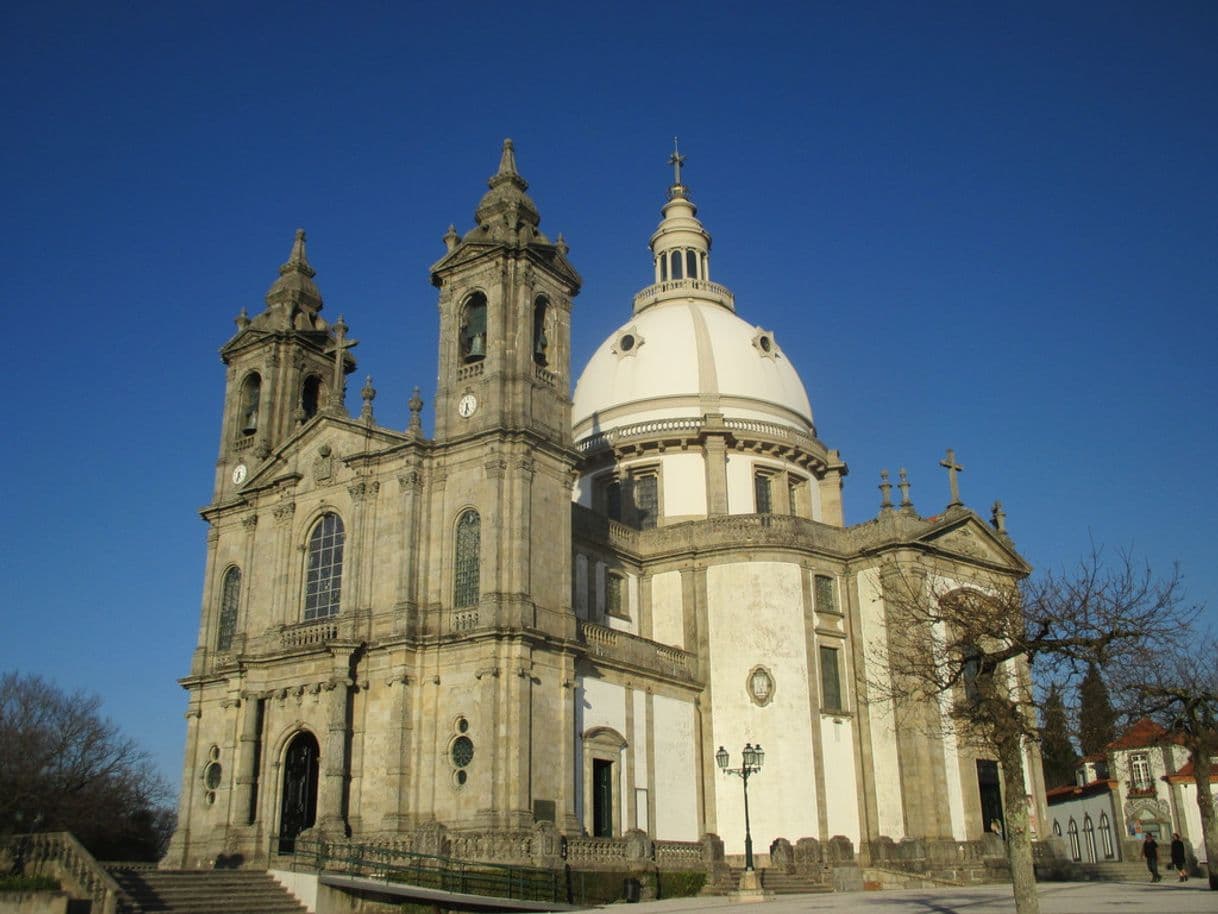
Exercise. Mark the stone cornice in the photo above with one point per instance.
(755, 435)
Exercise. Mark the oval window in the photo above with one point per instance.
(463, 751)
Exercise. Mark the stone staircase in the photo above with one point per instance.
(783, 883)
(1123, 871)
(203, 892)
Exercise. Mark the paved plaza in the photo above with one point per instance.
(1193, 897)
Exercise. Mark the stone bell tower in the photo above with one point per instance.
(285, 365)
(499, 495)
(505, 320)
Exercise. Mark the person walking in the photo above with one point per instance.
(1150, 850)
(1178, 862)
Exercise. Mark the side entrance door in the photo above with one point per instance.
(298, 810)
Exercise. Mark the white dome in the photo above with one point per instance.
(685, 357)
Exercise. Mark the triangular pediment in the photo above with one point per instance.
(313, 453)
(968, 537)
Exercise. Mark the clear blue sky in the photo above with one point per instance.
(987, 226)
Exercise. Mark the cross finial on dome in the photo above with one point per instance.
(676, 160)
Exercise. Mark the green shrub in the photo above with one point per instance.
(28, 884)
(680, 884)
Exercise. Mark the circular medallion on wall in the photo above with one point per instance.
(760, 686)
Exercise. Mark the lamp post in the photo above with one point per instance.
(752, 758)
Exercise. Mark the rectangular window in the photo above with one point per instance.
(613, 595)
(647, 500)
(1139, 766)
(761, 493)
(795, 498)
(613, 500)
(826, 594)
(830, 680)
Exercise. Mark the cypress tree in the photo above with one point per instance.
(1057, 753)
(1097, 720)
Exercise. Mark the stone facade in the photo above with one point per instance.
(533, 617)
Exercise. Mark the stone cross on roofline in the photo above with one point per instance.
(340, 345)
(953, 468)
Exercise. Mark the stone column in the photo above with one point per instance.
(247, 761)
(330, 811)
(397, 817)
(177, 854)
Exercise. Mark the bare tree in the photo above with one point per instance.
(65, 767)
(1177, 684)
(959, 658)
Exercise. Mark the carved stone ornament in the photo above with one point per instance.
(760, 686)
(362, 490)
(411, 480)
(283, 512)
(323, 465)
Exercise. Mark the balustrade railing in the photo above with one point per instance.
(655, 292)
(309, 634)
(612, 644)
(60, 855)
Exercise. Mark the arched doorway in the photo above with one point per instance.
(298, 809)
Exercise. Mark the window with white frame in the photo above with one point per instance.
(1139, 770)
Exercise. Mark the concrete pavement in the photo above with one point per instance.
(1192, 897)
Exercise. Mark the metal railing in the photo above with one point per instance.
(391, 865)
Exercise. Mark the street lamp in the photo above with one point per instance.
(752, 756)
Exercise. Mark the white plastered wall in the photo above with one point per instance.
(684, 485)
(841, 787)
(754, 619)
(667, 614)
(884, 759)
(676, 793)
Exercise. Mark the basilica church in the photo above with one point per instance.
(560, 604)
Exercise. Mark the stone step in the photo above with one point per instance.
(204, 892)
(782, 883)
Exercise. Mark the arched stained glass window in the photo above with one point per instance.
(467, 559)
(1076, 853)
(230, 597)
(1089, 836)
(324, 569)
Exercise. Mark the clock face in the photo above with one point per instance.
(239, 474)
(466, 405)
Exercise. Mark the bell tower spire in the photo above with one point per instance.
(285, 365)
